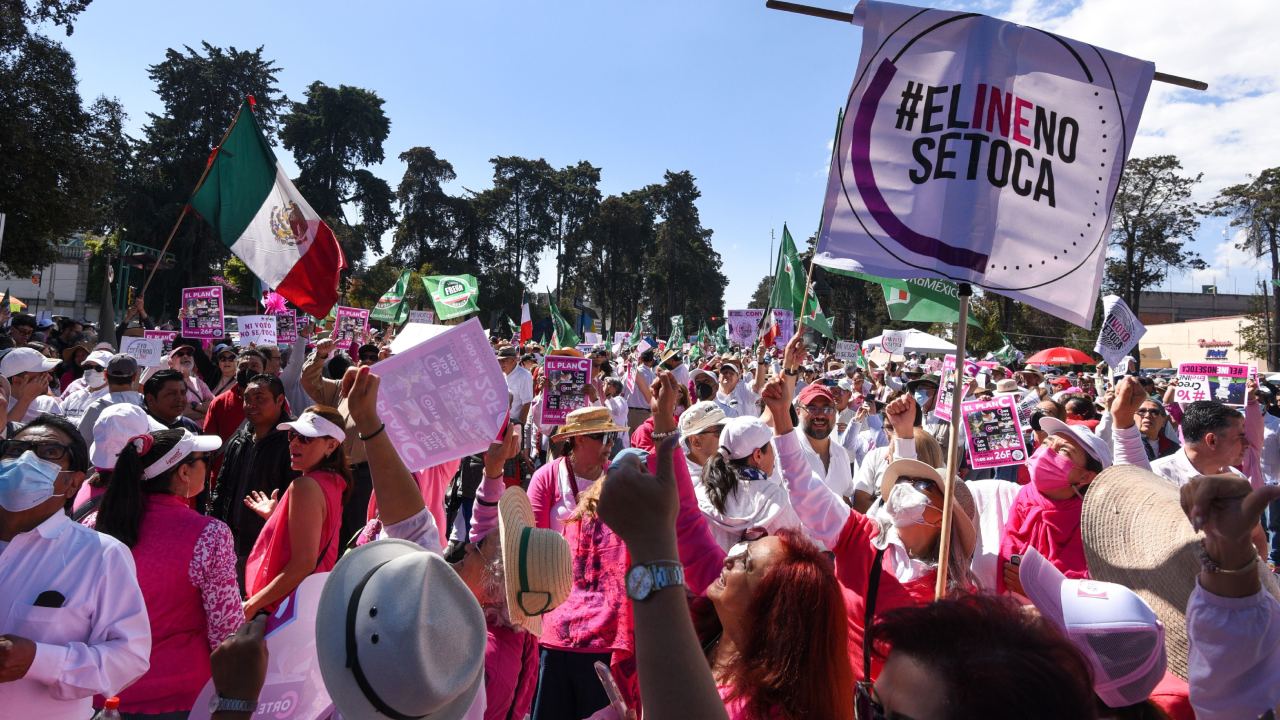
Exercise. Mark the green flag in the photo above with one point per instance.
(563, 336)
(636, 331)
(788, 278)
(677, 339)
(722, 338)
(917, 299)
(1007, 353)
(391, 307)
(514, 328)
(858, 358)
(1275, 282)
(453, 295)
(814, 318)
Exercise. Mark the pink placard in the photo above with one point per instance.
(993, 432)
(202, 318)
(564, 390)
(350, 325)
(167, 337)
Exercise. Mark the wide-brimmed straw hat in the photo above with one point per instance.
(587, 421)
(567, 352)
(963, 522)
(1135, 534)
(537, 562)
(398, 630)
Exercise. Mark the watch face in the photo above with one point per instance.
(639, 582)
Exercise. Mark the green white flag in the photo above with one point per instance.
(814, 318)
(453, 295)
(788, 279)
(858, 358)
(391, 307)
(563, 336)
(677, 339)
(917, 299)
(722, 338)
(637, 330)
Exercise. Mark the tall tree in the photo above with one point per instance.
(430, 217)
(54, 172)
(760, 298)
(608, 262)
(200, 91)
(522, 218)
(334, 135)
(683, 269)
(1255, 208)
(1153, 217)
(576, 195)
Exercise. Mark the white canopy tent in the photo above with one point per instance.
(918, 341)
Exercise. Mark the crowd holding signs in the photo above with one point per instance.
(335, 511)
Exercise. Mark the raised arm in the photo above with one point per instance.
(1126, 441)
(398, 496)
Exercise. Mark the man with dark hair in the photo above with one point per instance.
(70, 332)
(226, 412)
(1080, 412)
(164, 396)
(255, 458)
(21, 327)
(73, 622)
(1214, 437)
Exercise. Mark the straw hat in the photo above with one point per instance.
(567, 352)
(963, 521)
(587, 421)
(537, 562)
(398, 630)
(1136, 535)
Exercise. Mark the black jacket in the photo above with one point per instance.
(249, 465)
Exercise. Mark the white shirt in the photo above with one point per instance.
(1178, 468)
(618, 411)
(636, 398)
(75, 405)
(99, 641)
(1271, 449)
(40, 405)
(520, 385)
(838, 475)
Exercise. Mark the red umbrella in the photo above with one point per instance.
(1060, 356)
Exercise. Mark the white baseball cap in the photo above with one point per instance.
(99, 358)
(1093, 445)
(113, 429)
(1116, 630)
(743, 435)
(312, 425)
(700, 416)
(23, 359)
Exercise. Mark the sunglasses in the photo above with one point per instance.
(295, 435)
(183, 353)
(1149, 411)
(227, 357)
(867, 707)
(369, 356)
(50, 451)
(919, 483)
(605, 438)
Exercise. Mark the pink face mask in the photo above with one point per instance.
(1049, 469)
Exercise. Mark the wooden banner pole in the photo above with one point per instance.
(953, 437)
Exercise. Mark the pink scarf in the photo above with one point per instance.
(1052, 527)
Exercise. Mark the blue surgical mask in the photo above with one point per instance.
(26, 481)
(922, 397)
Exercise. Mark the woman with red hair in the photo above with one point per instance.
(775, 631)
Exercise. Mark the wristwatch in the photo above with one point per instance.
(645, 580)
(217, 703)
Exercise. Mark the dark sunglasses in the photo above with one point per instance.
(184, 353)
(225, 357)
(295, 435)
(369, 356)
(51, 451)
(1149, 411)
(919, 483)
(606, 438)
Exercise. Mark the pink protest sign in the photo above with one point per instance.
(350, 326)
(166, 337)
(286, 326)
(564, 392)
(993, 432)
(202, 316)
(443, 398)
(1223, 382)
(942, 408)
(786, 321)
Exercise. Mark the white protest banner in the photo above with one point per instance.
(425, 317)
(293, 688)
(893, 341)
(258, 330)
(591, 338)
(149, 352)
(980, 151)
(743, 326)
(1225, 383)
(846, 350)
(621, 339)
(567, 378)
(1120, 331)
(443, 398)
(993, 432)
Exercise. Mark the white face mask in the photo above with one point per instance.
(95, 378)
(681, 374)
(906, 505)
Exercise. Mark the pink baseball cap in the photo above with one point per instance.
(1115, 629)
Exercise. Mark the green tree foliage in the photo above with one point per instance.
(57, 155)
(1255, 208)
(1152, 218)
(575, 199)
(334, 135)
(682, 269)
(609, 260)
(201, 91)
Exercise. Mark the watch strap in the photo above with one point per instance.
(226, 704)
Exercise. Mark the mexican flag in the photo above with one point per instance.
(260, 216)
(391, 307)
(563, 334)
(526, 324)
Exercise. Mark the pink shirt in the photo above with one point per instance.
(272, 551)
(187, 571)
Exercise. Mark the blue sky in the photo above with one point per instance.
(743, 97)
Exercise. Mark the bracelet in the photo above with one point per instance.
(1210, 565)
(373, 434)
(790, 371)
(486, 503)
(660, 436)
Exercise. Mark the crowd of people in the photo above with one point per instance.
(750, 534)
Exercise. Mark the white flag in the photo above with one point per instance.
(980, 151)
(1120, 331)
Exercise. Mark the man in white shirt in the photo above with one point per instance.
(638, 399)
(700, 428)
(95, 386)
(519, 382)
(735, 394)
(28, 374)
(72, 619)
(817, 411)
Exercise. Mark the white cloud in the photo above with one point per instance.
(1232, 270)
